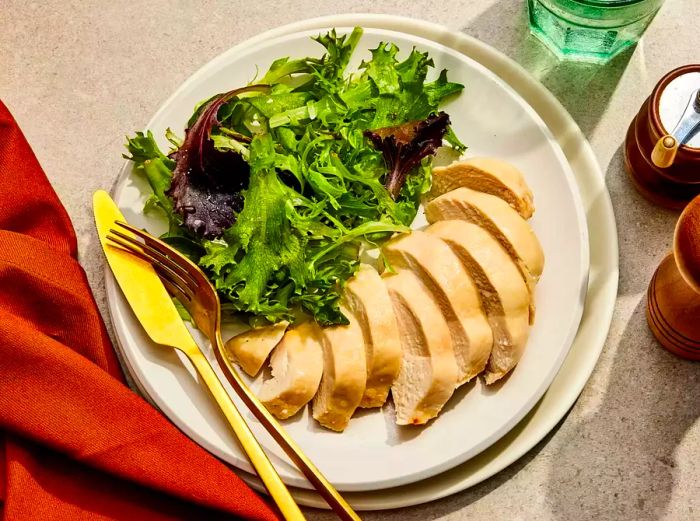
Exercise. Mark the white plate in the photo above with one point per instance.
(372, 453)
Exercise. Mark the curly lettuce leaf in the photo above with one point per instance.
(279, 253)
(328, 71)
(382, 68)
(156, 167)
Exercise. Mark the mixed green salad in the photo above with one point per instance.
(278, 186)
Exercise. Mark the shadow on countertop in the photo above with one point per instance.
(645, 230)
(618, 463)
(584, 89)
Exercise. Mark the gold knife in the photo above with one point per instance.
(157, 314)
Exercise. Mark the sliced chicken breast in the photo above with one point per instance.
(428, 374)
(344, 373)
(504, 294)
(297, 365)
(485, 174)
(251, 348)
(369, 300)
(500, 220)
(453, 290)
(497, 217)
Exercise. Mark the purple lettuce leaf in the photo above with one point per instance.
(404, 147)
(207, 183)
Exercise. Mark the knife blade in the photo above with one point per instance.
(138, 281)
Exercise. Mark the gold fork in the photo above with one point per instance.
(187, 282)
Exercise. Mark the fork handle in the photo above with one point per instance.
(325, 489)
(277, 489)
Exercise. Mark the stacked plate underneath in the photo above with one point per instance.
(502, 113)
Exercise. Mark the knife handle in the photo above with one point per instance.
(277, 489)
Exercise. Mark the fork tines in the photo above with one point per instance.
(175, 278)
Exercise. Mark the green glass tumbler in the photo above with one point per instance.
(590, 30)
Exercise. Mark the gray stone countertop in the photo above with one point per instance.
(80, 75)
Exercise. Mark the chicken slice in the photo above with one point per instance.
(485, 174)
(344, 373)
(370, 302)
(297, 365)
(455, 293)
(500, 220)
(497, 217)
(251, 348)
(504, 294)
(428, 374)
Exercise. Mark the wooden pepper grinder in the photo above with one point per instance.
(662, 147)
(673, 299)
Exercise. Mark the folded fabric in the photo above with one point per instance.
(75, 442)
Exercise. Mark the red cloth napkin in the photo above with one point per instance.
(75, 442)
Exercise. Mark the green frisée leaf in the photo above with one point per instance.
(143, 147)
(223, 143)
(328, 71)
(175, 141)
(452, 139)
(272, 104)
(284, 68)
(157, 168)
(382, 69)
(439, 89)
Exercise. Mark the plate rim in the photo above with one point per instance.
(400, 24)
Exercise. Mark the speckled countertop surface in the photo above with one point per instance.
(79, 75)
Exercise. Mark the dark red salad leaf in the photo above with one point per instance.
(207, 183)
(404, 146)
